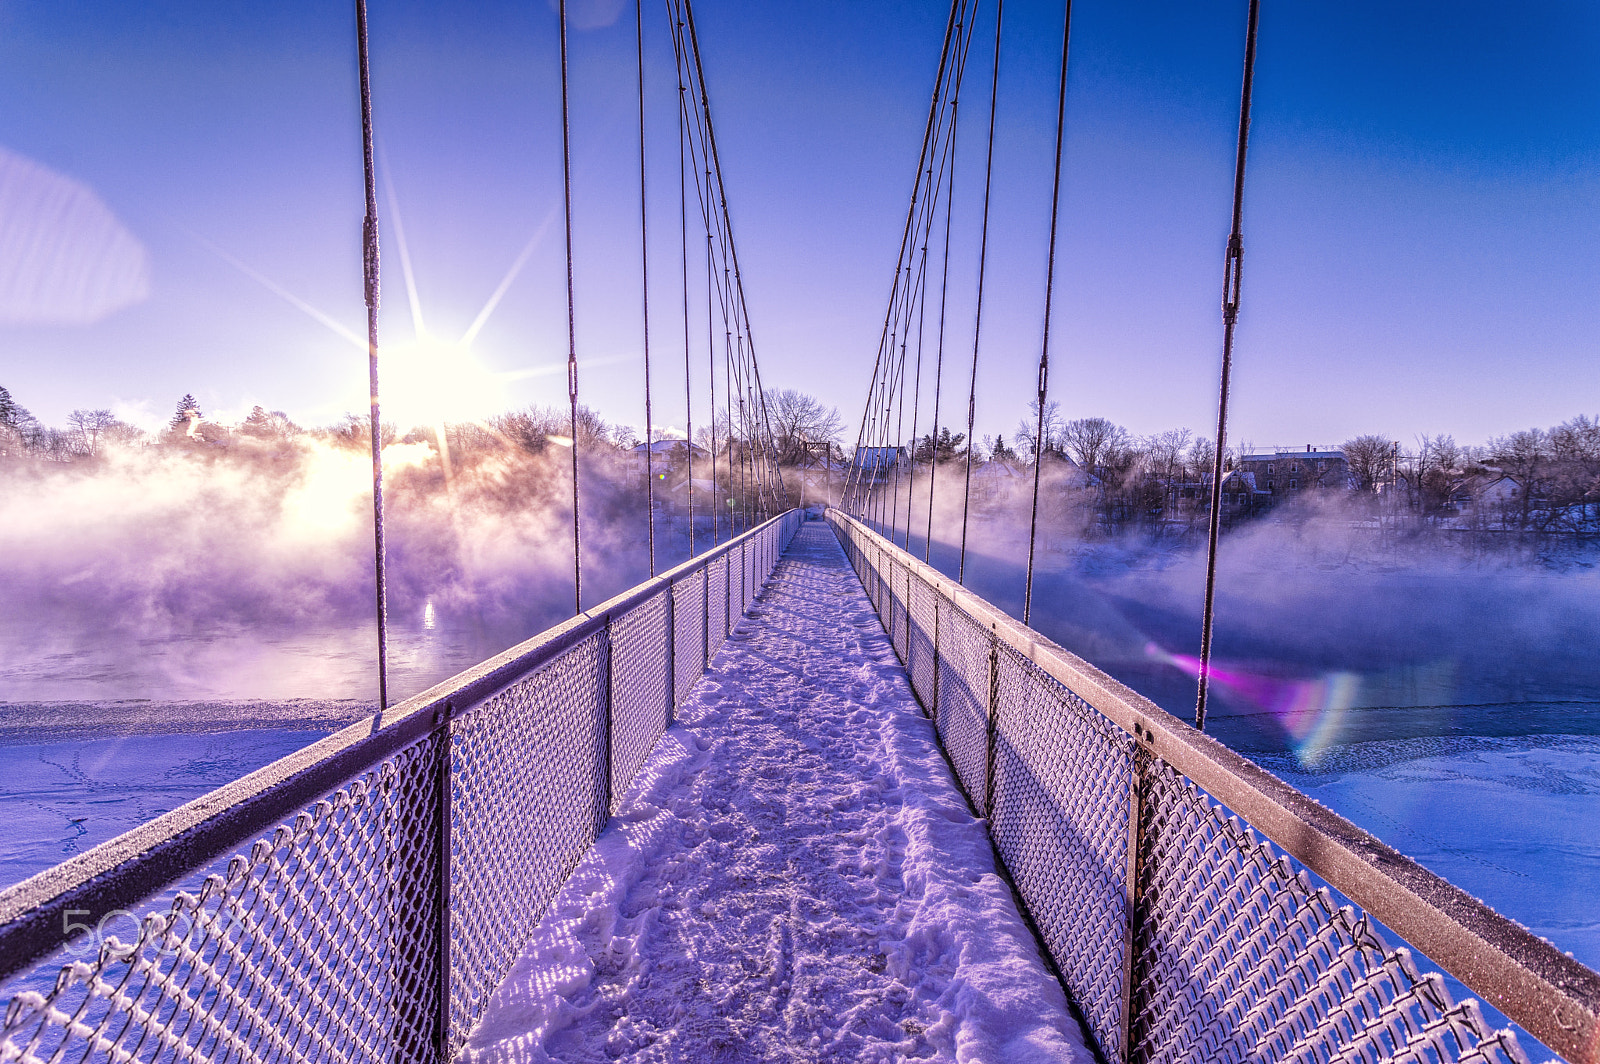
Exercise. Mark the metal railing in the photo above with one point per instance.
(383, 880)
(1180, 890)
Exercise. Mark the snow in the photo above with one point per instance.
(1509, 820)
(61, 797)
(792, 876)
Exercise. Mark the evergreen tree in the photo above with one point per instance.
(186, 406)
(8, 407)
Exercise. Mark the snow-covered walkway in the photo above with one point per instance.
(793, 876)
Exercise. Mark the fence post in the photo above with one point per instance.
(442, 895)
(705, 617)
(607, 783)
(933, 710)
(672, 654)
(1132, 968)
(993, 721)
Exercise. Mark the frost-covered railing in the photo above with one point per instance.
(384, 879)
(1179, 889)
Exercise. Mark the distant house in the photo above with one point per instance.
(1065, 474)
(1282, 474)
(666, 457)
(1487, 492)
(705, 491)
(672, 450)
(1241, 493)
(873, 465)
(993, 479)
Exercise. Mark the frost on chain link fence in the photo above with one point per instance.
(688, 631)
(963, 668)
(300, 949)
(717, 605)
(1179, 933)
(641, 686)
(1060, 822)
(383, 879)
(528, 796)
(1247, 961)
(900, 583)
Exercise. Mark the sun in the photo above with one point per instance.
(433, 381)
(429, 381)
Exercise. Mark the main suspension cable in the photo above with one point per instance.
(977, 324)
(369, 269)
(1049, 292)
(683, 242)
(868, 415)
(1233, 261)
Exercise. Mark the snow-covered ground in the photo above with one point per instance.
(793, 876)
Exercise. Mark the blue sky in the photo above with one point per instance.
(1421, 216)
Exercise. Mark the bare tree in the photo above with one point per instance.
(88, 426)
(1166, 451)
(269, 424)
(1439, 461)
(1028, 427)
(1098, 445)
(536, 427)
(1199, 459)
(800, 422)
(1525, 457)
(1575, 457)
(1369, 459)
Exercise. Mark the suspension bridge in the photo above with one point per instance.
(801, 797)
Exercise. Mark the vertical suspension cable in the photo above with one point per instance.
(683, 244)
(741, 370)
(946, 165)
(916, 399)
(369, 269)
(1049, 293)
(711, 382)
(727, 397)
(938, 374)
(977, 324)
(1233, 261)
(644, 284)
(572, 326)
(899, 442)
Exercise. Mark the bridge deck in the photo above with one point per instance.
(792, 876)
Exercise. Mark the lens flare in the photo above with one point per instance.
(1310, 711)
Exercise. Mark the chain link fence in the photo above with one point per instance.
(362, 899)
(1181, 892)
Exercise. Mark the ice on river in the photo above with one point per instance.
(793, 876)
(1509, 820)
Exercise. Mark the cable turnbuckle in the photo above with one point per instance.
(1232, 266)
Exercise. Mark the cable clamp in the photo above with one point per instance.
(369, 258)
